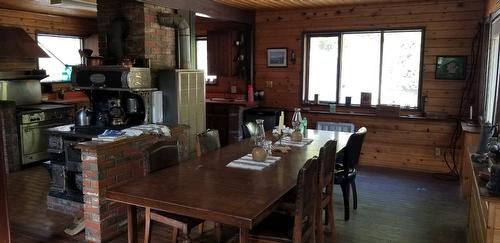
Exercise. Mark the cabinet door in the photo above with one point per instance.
(220, 53)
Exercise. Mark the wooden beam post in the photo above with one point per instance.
(208, 7)
(4, 216)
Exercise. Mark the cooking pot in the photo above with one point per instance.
(83, 117)
(94, 61)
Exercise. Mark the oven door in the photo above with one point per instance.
(34, 141)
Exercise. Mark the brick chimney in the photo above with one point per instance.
(145, 38)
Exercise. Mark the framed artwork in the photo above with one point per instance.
(451, 67)
(366, 99)
(277, 57)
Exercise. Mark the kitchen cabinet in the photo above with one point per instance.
(222, 53)
(227, 118)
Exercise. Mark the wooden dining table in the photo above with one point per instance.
(205, 188)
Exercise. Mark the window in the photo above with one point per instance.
(202, 59)
(491, 93)
(63, 52)
(344, 64)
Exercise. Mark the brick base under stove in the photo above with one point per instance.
(64, 206)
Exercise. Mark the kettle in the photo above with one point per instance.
(83, 117)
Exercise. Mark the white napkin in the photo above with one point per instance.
(288, 141)
(247, 162)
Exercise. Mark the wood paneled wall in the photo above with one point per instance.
(42, 23)
(410, 144)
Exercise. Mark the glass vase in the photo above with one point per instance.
(296, 119)
(260, 136)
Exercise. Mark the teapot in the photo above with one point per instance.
(83, 117)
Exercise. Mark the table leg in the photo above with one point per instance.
(244, 235)
(132, 223)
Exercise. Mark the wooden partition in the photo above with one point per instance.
(449, 30)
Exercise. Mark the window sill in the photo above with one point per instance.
(356, 110)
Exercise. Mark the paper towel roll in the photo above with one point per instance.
(157, 106)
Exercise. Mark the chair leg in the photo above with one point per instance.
(200, 228)
(218, 232)
(354, 195)
(147, 226)
(175, 233)
(186, 238)
(345, 195)
(330, 217)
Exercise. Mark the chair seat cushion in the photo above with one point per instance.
(278, 227)
(188, 221)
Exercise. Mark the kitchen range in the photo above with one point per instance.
(120, 97)
(33, 116)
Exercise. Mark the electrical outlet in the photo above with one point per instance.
(437, 151)
(269, 84)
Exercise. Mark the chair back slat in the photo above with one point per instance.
(160, 155)
(207, 141)
(326, 158)
(307, 194)
(353, 148)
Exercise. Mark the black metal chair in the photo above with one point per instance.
(249, 129)
(346, 169)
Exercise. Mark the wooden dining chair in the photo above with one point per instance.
(327, 166)
(325, 183)
(300, 227)
(346, 169)
(207, 141)
(159, 156)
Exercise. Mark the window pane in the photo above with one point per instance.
(323, 56)
(401, 68)
(65, 48)
(202, 59)
(201, 55)
(360, 66)
(491, 83)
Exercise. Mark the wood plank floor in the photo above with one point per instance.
(393, 206)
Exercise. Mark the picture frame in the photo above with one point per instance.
(277, 57)
(451, 67)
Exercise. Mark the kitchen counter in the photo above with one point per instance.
(108, 164)
(236, 102)
(69, 131)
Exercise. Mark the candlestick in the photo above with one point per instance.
(281, 122)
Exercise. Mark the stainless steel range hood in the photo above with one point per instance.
(16, 43)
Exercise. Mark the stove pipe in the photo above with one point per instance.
(183, 36)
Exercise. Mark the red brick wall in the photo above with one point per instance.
(104, 167)
(8, 132)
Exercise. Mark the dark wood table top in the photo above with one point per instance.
(205, 188)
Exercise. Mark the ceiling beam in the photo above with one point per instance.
(210, 8)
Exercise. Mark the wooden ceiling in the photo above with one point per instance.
(282, 4)
(44, 6)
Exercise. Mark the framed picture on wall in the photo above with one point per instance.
(451, 67)
(277, 57)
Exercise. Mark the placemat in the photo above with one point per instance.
(246, 162)
(288, 141)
